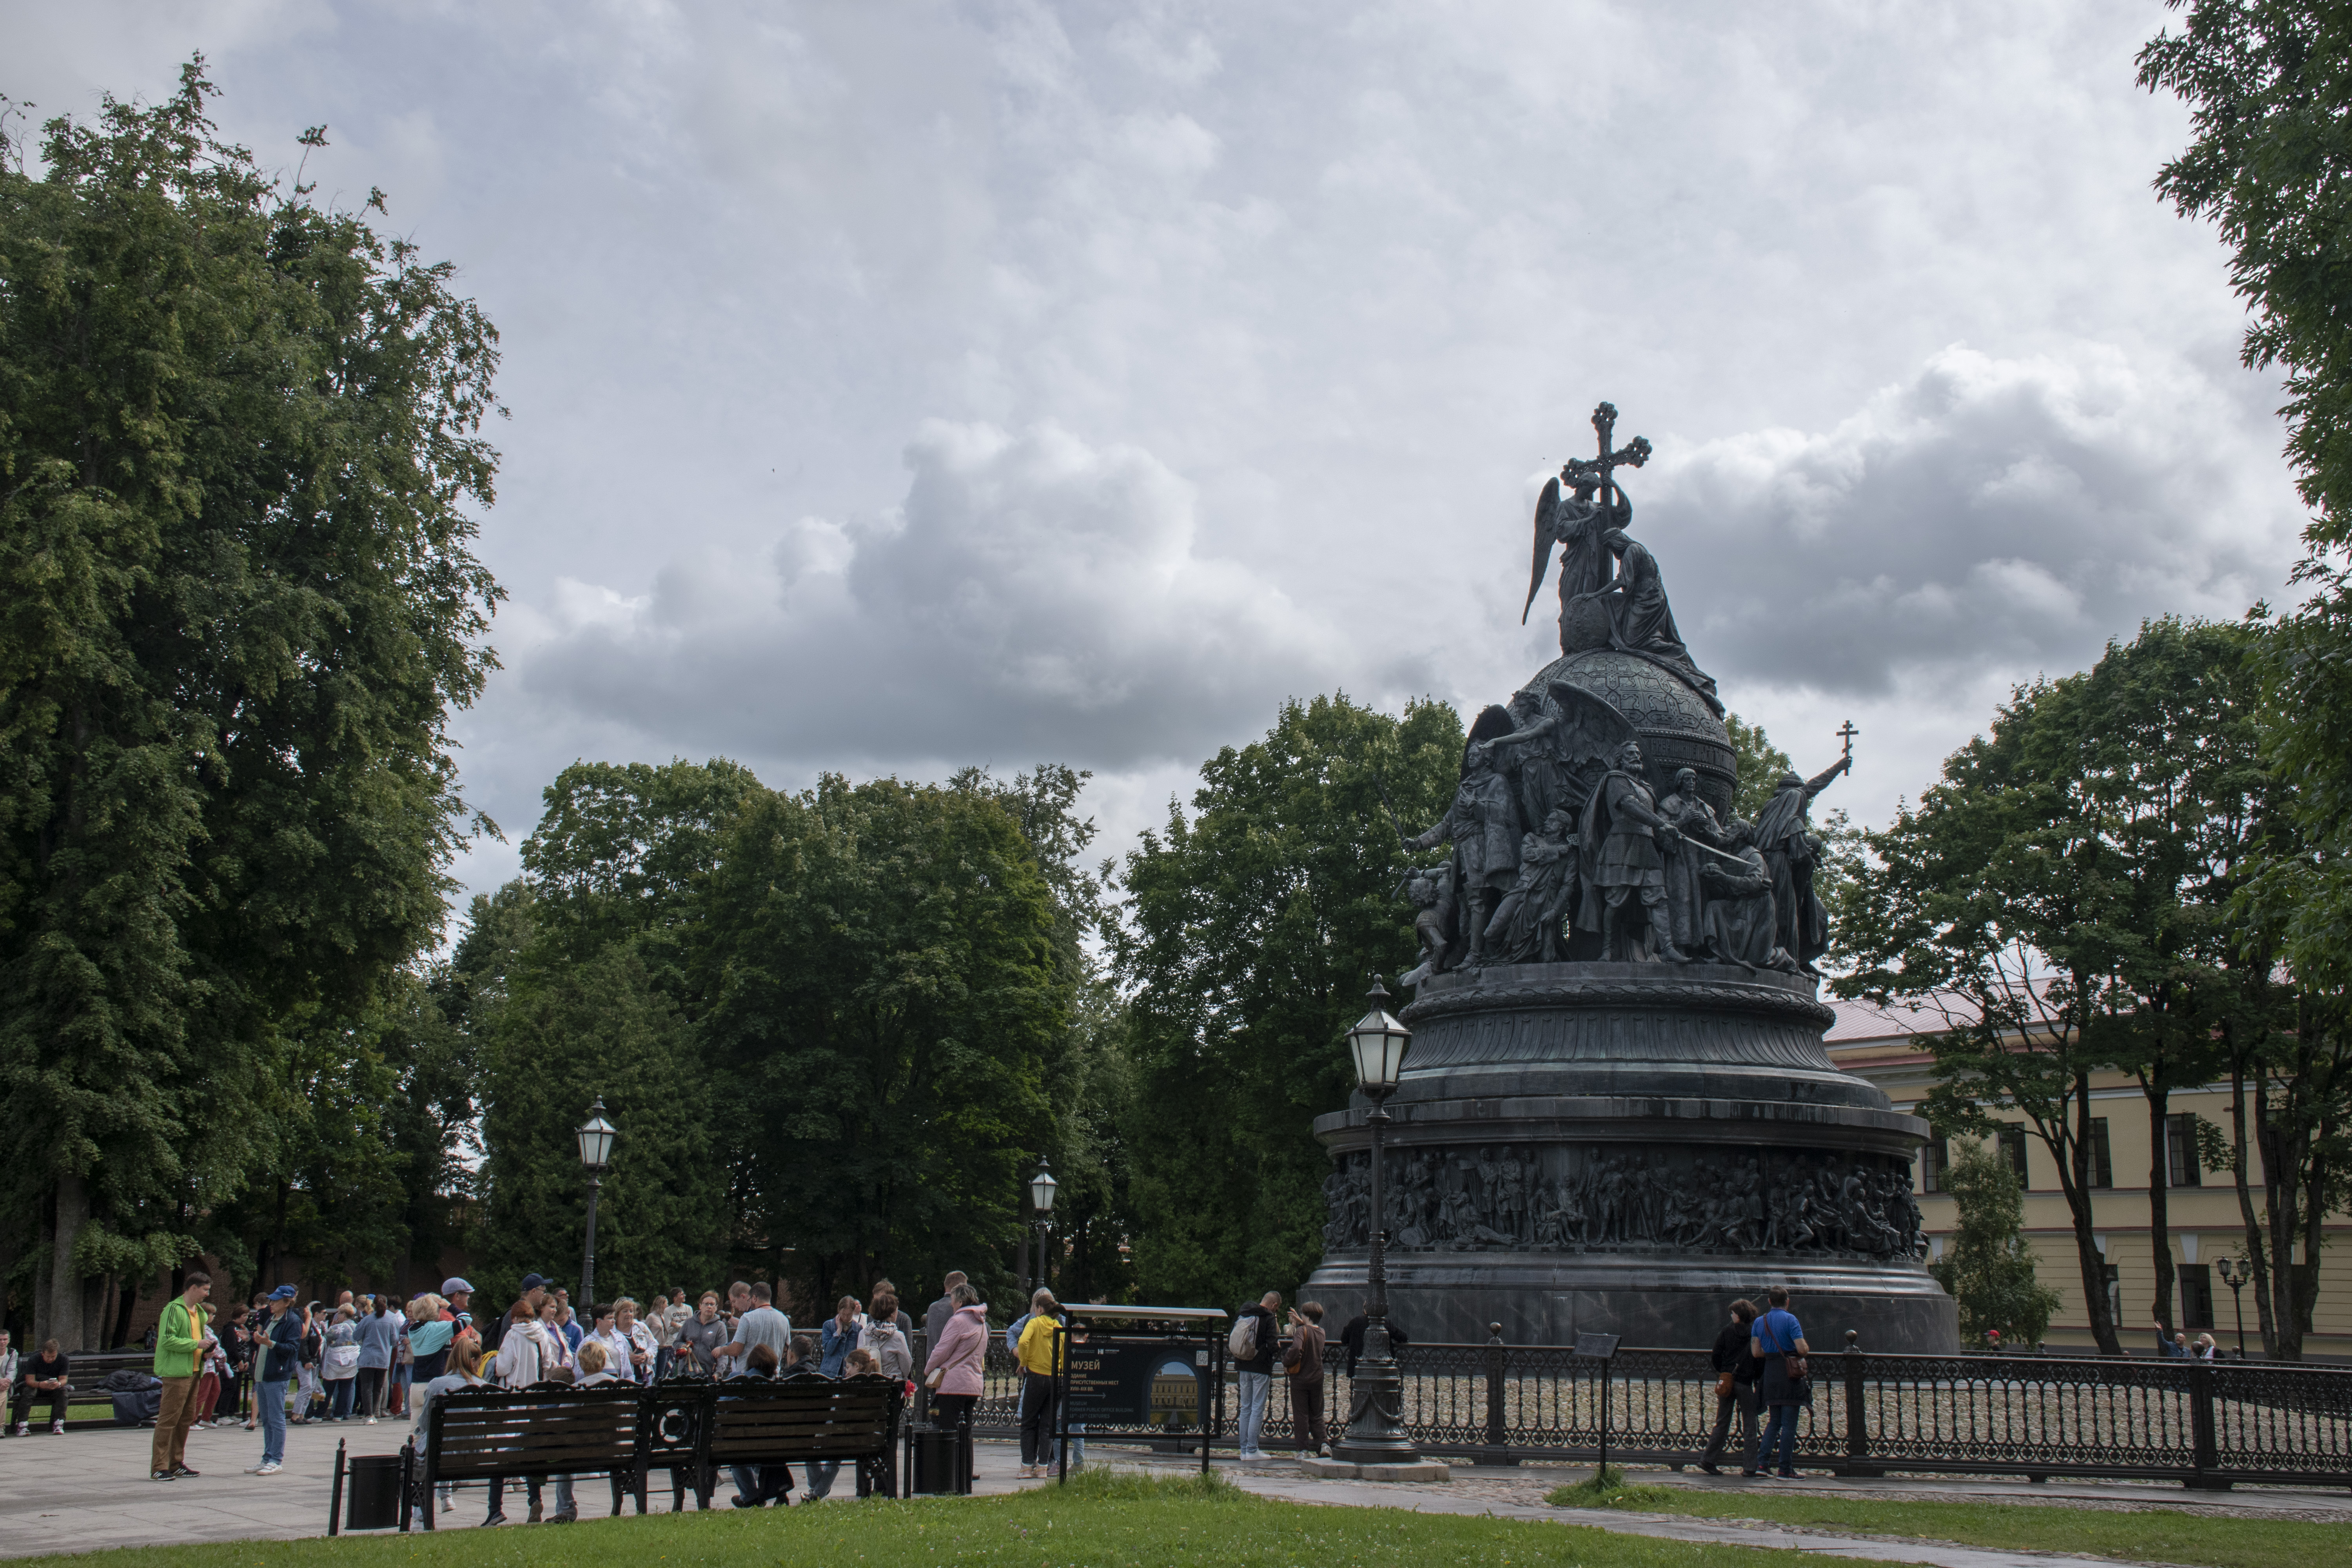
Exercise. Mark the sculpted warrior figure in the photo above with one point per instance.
(1624, 876)
(1482, 826)
(1793, 853)
(1694, 819)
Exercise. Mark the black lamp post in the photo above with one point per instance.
(2235, 1273)
(595, 1154)
(1041, 1199)
(1375, 1434)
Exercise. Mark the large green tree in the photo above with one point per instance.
(1255, 922)
(886, 1001)
(584, 980)
(239, 455)
(2269, 86)
(2061, 896)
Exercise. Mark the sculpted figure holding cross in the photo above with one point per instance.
(1577, 521)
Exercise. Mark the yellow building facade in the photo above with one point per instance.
(2202, 1207)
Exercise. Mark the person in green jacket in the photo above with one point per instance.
(181, 1341)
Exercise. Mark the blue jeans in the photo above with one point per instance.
(273, 1423)
(339, 1394)
(1255, 1386)
(1781, 1430)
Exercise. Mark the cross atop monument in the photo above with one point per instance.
(1601, 468)
(1849, 733)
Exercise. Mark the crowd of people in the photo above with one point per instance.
(369, 1358)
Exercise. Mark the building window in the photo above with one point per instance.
(2196, 1295)
(2182, 1168)
(2103, 1164)
(1934, 1160)
(2012, 1148)
(2114, 1294)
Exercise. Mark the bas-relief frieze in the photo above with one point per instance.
(1603, 1197)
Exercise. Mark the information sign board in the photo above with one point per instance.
(1154, 1383)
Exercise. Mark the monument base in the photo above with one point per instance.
(1626, 1148)
(1650, 1305)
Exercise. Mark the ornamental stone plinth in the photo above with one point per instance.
(1625, 1148)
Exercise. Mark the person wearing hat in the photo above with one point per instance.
(460, 1297)
(281, 1359)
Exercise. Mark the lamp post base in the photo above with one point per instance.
(1376, 1434)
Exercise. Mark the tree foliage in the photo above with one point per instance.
(2061, 897)
(1254, 925)
(1987, 1267)
(239, 448)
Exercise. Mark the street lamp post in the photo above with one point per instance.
(2235, 1273)
(595, 1154)
(1041, 1199)
(1376, 1434)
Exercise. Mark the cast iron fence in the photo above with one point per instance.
(2205, 1424)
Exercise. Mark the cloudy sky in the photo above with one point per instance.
(901, 386)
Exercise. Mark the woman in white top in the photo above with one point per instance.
(643, 1343)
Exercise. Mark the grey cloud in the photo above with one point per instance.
(1032, 595)
(1988, 514)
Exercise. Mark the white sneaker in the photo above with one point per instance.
(57, 1428)
(271, 1469)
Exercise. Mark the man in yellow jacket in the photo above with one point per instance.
(181, 1341)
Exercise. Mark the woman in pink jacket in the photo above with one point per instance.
(956, 1361)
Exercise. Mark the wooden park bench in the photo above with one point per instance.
(793, 1420)
(494, 1434)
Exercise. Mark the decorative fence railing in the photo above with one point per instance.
(2205, 1424)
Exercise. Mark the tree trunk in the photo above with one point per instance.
(2075, 1180)
(2160, 1178)
(44, 1254)
(68, 1319)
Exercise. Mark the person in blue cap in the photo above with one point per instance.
(281, 1358)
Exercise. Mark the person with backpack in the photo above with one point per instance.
(1039, 1352)
(1779, 1342)
(1252, 1344)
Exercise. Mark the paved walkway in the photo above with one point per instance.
(88, 1490)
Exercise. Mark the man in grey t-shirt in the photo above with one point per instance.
(762, 1325)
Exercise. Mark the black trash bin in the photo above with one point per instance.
(372, 1492)
(938, 1461)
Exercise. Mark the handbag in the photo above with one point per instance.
(341, 1356)
(1796, 1366)
(1723, 1386)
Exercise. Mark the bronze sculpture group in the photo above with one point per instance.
(1554, 827)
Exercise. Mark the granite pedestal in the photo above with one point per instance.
(1625, 1148)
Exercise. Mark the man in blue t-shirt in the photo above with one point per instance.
(1778, 1336)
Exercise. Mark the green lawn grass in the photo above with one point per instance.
(1103, 1520)
(2162, 1535)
